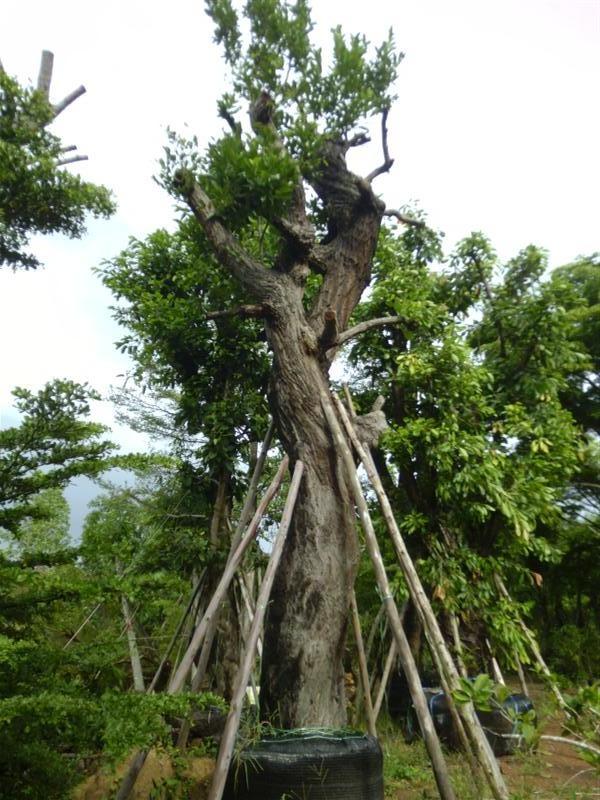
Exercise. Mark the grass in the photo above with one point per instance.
(408, 776)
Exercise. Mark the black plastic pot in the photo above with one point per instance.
(499, 724)
(315, 765)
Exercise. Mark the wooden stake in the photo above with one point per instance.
(533, 646)
(134, 653)
(521, 674)
(362, 665)
(235, 709)
(180, 676)
(458, 647)
(478, 738)
(430, 737)
(387, 670)
(178, 679)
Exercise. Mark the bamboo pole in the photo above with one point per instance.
(368, 647)
(389, 663)
(482, 748)
(235, 709)
(134, 652)
(362, 665)
(177, 632)
(496, 671)
(245, 515)
(430, 737)
(233, 562)
(533, 646)
(521, 674)
(458, 646)
(223, 585)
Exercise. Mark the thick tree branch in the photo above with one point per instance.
(329, 336)
(45, 74)
(244, 312)
(403, 218)
(358, 139)
(66, 101)
(378, 322)
(261, 119)
(260, 282)
(70, 160)
(387, 161)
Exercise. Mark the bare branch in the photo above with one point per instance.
(358, 139)
(230, 120)
(66, 101)
(1, 67)
(403, 218)
(251, 274)
(240, 311)
(69, 148)
(45, 75)
(387, 161)
(70, 160)
(329, 336)
(378, 322)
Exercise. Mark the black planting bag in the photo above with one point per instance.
(309, 764)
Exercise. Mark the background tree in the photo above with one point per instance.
(37, 195)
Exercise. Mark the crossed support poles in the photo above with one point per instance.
(478, 749)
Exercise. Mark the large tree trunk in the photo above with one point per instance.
(302, 681)
(302, 675)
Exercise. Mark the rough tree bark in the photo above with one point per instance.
(302, 675)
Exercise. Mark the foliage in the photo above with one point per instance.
(53, 444)
(37, 195)
(483, 451)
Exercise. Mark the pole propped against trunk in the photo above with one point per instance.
(448, 672)
(430, 736)
(235, 710)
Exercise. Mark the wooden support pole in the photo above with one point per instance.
(521, 674)
(178, 679)
(180, 676)
(362, 665)
(430, 736)
(387, 671)
(458, 647)
(134, 653)
(496, 671)
(211, 631)
(533, 646)
(177, 632)
(482, 747)
(235, 710)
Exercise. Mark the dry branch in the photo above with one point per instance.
(403, 218)
(45, 74)
(387, 161)
(378, 322)
(66, 101)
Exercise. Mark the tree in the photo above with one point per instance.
(53, 444)
(483, 455)
(294, 229)
(37, 195)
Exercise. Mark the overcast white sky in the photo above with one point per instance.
(496, 129)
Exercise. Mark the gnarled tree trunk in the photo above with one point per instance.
(302, 675)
